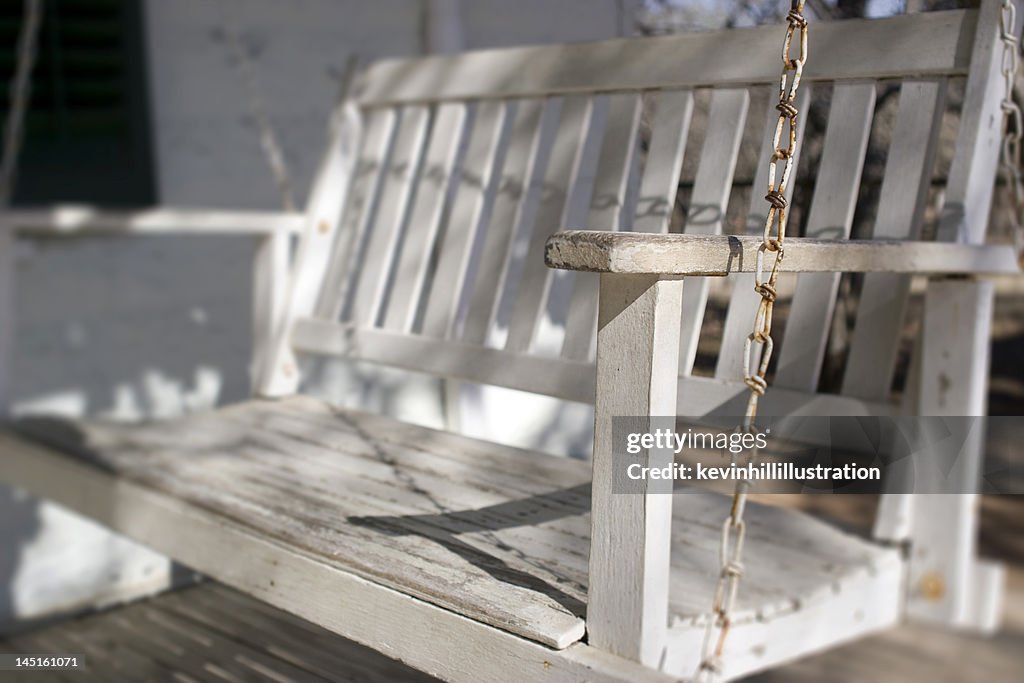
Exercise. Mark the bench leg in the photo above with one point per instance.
(946, 581)
(637, 367)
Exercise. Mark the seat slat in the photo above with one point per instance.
(396, 197)
(923, 44)
(326, 495)
(514, 204)
(607, 205)
(436, 178)
(708, 203)
(883, 297)
(739, 319)
(472, 207)
(831, 215)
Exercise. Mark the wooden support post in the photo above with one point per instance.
(270, 286)
(637, 367)
(946, 582)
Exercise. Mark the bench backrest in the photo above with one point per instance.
(427, 224)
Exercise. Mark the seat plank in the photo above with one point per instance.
(493, 533)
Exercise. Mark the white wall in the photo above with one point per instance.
(135, 328)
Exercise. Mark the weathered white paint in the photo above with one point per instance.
(685, 254)
(156, 327)
(88, 221)
(857, 49)
(637, 366)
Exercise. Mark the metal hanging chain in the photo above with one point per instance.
(1010, 162)
(757, 349)
(20, 91)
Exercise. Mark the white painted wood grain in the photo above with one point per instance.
(972, 174)
(719, 255)
(944, 584)
(432, 191)
(514, 206)
(926, 44)
(400, 179)
(426, 637)
(277, 374)
(637, 366)
(335, 289)
(831, 216)
(470, 212)
(534, 282)
(708, 203)
(669, 129)
(88, 220)
(607, 209)
(883, 296)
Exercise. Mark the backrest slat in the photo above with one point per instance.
(739, 319)
(830, 217)
(469, 162)
(435, 181)
(708, 203)
(607, 208)
(396, 198)
(480, 170)
(883, 297)
(534, 282)
(380, 126)
(970, 187)
(669, 129)
(511, 209)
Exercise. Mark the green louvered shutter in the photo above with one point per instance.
(87, 132)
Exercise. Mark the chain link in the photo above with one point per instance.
(758, 347)
(1010, 162)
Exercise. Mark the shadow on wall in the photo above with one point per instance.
(127, 328)
(19, 521)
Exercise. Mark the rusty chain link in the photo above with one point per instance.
(758, 347)
(1012, 128)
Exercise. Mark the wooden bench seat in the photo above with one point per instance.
(497, 534)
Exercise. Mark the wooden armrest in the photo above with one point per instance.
(87, 220)
(631, 252)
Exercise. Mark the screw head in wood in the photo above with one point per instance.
(933, 586)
